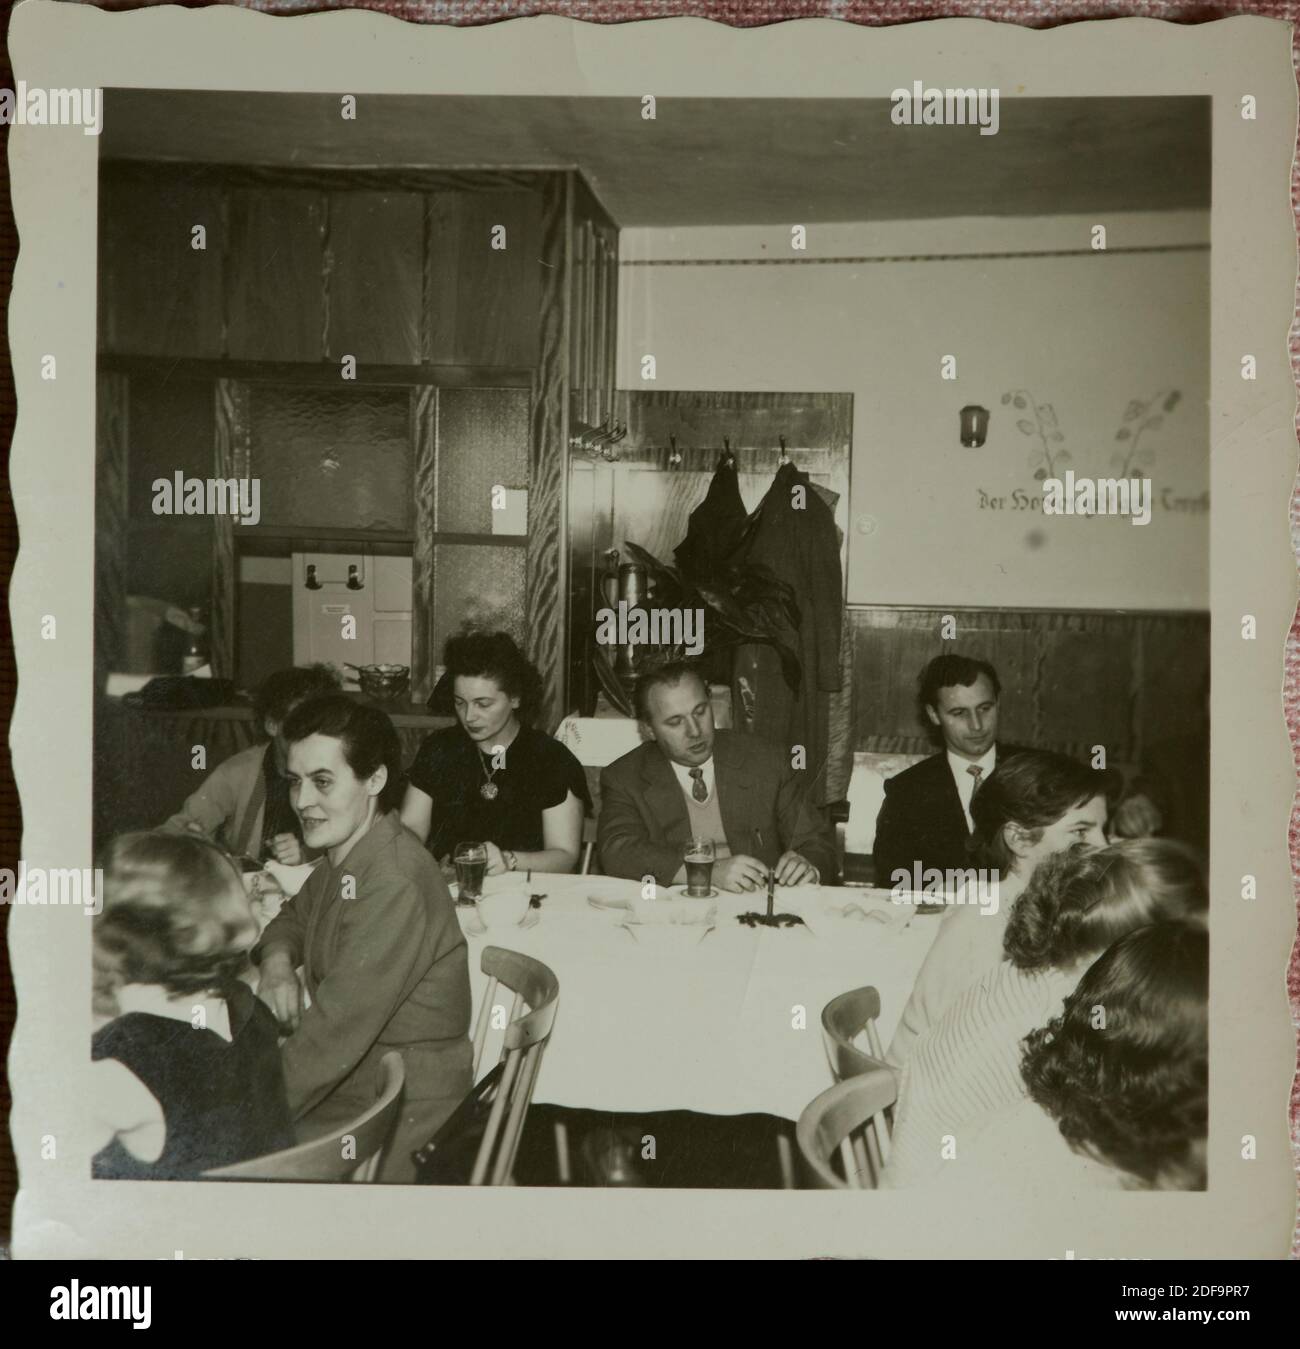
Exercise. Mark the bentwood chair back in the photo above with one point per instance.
(528, 1027)
(846, 1019)
(840, 1121)
(350, 1153)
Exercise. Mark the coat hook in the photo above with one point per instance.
(784, 458)
(674, 454)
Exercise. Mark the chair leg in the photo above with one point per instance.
(785, 1161)
(562, 1166)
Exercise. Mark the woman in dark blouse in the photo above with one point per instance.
(494, 779)
(187, 1069)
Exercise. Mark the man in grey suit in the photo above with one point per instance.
(696, 782)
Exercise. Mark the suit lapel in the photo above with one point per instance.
(951, 800)
(735, 787)
(663, 797)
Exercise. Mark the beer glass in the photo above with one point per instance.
(471, 865)
(698, 856)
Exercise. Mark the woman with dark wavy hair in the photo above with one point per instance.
(1033, 806)
(373, 927)
(1124, 1070)
(965, 1068)
(495, 779)
(1116, 1086)
(187, 1071)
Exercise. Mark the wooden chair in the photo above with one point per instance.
(536, 988)
(834, 1122)
(844, 1019)
(324, 1158)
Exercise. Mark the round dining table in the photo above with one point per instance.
(727, 1024)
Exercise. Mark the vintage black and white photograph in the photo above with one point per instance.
(658, 641)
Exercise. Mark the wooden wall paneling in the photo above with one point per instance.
(584, 570)
(231, 459)
(609, 336)
(317, 179)
(1081, 693)
(577, 324)
(481, 303)
(547, 560)
(424, 432)
(111, 424)
(374, 263)
(1170, 700)
(816, 426)
(1071, 680)
(276, 284)
(158, 294)
(753, 421)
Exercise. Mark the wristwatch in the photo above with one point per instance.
(510, 860)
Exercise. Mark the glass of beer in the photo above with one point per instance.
(698, 856)
(471, 865)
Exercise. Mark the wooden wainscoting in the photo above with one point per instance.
(1070, 680)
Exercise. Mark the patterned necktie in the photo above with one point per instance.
(698, 790)
(976, 772)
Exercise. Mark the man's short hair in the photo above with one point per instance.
(945, 671)
(667, 675)
(281, 692)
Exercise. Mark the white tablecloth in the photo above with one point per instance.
(715, 1027)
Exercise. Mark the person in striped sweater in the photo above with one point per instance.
(965, 1068)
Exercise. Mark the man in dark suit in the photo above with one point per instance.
(925, 820)
(696, 782)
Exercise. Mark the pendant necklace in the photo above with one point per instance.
(488, 791)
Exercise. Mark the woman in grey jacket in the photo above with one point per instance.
(375, 931)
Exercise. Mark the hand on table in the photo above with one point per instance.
(739, 872)
(280, 990)
(794, 869)
(496, 864)
(287, 850)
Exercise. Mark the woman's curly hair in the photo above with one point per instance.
(168, 917)
(1124, 1070)
(494, 655)
(1078, 903)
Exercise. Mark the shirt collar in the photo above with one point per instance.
(958, 765)
(683, 774)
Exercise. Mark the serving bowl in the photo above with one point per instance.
(505, 908)
(384, 681)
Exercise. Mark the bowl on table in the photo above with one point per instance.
(384, 682)
(670, 924)
(502, 908)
